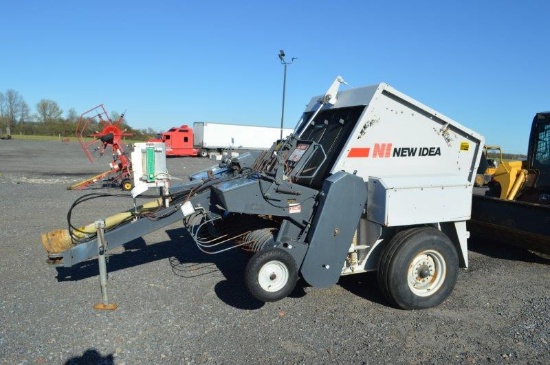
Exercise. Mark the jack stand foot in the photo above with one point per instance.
(106, 307)
(102, 248)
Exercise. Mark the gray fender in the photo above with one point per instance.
(337, 216)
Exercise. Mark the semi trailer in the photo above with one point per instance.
(369, 180)
(207, 137)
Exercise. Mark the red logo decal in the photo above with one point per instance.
(359, 152)
(382, 150)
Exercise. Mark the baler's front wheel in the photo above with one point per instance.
(418, 269)
(271, 275)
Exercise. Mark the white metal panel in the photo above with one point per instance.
(399, 201)
(138, 157)
(198, 134)
(219, 135)
(399, 136)
(345, 98)
(137, 168)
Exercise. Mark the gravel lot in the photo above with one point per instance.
(179, 306)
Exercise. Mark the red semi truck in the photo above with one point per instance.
(178, 141)
(206, 137)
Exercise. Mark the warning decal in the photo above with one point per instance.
(294, 208)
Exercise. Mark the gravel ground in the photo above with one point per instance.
(179, 306)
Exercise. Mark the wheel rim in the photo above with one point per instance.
(273, 276)
(426, 273)
(127, 186)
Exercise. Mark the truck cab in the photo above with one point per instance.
(538, 156)
(179, 141)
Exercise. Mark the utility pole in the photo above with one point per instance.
(284, 63)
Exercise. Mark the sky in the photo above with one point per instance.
(166, 63)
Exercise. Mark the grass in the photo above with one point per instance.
(36, 138)
(58, 138)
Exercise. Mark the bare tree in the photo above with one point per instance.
(13, 102)
(12, 108)
(3, 117)
(115, 116)
(48, 111)
(25, 113)
(72, 115)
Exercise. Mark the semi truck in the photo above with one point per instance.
(179, 141)
(206, 137)
(369, 180)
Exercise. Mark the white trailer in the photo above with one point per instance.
(219, 136)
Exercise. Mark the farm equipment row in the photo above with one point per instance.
(104, 134)
(370, 180)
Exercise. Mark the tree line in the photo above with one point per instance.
(17, 118)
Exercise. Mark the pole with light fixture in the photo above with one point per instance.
(282, 58)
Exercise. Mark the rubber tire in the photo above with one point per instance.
(203, 153)
(257, 262)
(127, 185)
(398, 255)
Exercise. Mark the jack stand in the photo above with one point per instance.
(102, 248)
(164, 193)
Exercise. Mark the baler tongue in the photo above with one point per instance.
(60, 240)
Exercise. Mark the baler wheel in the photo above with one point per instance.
(271, 275)
(418, 268)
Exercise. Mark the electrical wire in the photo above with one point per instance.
(80, 200)
(177, 199)
(153, 215)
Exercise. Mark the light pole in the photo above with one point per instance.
(282, 58)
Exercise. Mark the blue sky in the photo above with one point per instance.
(482, 63)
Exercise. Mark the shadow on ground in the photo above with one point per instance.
(91, 357)
(364, 286)
(186, 261)
(498, 250)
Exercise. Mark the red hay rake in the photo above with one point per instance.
(96, 132)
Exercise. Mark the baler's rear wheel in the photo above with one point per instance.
(418, 269)
(271, 275)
